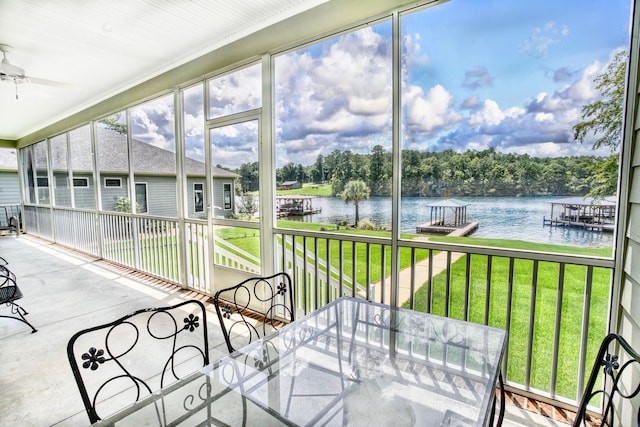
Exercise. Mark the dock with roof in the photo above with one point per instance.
(295, 205)
(583, 212)
(448, 217)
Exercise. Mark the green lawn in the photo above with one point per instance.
(320, 190)
(545, 307)
(249, 241)
(521, 291)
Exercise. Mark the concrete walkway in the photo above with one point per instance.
(63, 293)
(421, 277)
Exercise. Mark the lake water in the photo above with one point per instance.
(518, 218)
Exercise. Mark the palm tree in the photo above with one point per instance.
(355, 191)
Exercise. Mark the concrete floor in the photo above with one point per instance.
(63, 293)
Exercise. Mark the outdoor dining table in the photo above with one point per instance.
(351, 362)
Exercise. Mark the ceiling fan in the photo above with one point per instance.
(14, 74)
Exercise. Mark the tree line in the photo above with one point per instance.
(449, 173)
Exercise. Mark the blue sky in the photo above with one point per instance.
(515, 41)
(500, 74)
(504, 74)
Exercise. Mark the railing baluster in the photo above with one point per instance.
(368, 271)
(305, 291)
(556, 334)
(341, 264)
(447, 289)
(171, 236)
(505, 357)
(164, 249)
(328, 283)
(584, 335)
(203, 238)
(282, 253)
(162, 267)
(487, 297)
(145, 246)
(467, 287)
(383, 272)
(316, 275)
(412, 284)
(532, 322)
(354, 269)
(430, 282)
(296, 276)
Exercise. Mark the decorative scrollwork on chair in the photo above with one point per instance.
(10, 293)
(122, 361)
(617, 366)
(254, 308)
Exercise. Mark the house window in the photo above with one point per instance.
(141, 197)
(227, 196)
(198, 196)
(43, 181)
(81, 182)
(113, 182)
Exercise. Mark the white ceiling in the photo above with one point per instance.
(94, 49)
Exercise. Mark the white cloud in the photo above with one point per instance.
(477, 78)
(570, 97)
(552, 149)
(412, 54)
(489, 115)
(584, 88)
(543, 117)
(342, 94)
(431, 112)
(538, 43)
(542, 128)
(240, 90)
(153, 123)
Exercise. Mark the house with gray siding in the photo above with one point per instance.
(9, 181)
(154, 177)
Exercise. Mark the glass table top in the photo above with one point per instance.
(351, 362)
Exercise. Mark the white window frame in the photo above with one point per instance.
(146, 196)
(224, 203)
(112, 179)
(86, 181)
(201, 191)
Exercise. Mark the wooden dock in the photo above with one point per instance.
(294, 205)
(439, 227)
(297, 212)
(580, 224)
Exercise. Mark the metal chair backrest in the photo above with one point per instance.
(10, 293)
(254, 307)
(9, 290)
(120, 362)
(615, 377)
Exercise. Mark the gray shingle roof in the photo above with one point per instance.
(147, 158)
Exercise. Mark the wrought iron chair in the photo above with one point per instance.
(243, 321)
(120, 362)
(251, 310)
(238, 315)
(618, 381)
(10, 293)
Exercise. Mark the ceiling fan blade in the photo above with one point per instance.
(39, 81)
